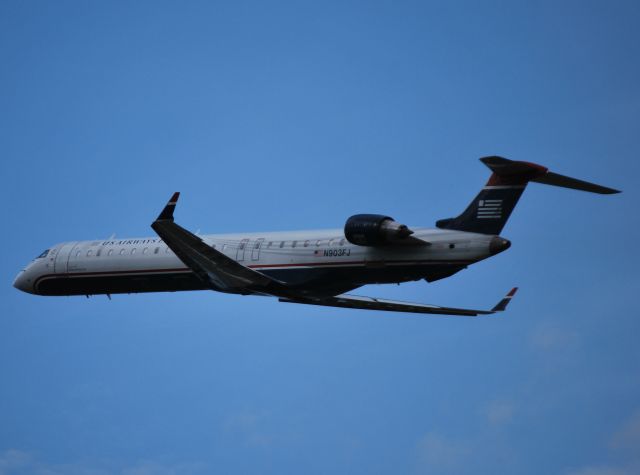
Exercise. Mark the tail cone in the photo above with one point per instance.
(498, 244)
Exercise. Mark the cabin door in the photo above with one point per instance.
(255, 252)
(242, 247)
(62, 257)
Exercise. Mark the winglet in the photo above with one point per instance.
(167, 212)
(502, 305)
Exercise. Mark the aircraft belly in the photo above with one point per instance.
(355, 276)
(328, 280)
(88, 284)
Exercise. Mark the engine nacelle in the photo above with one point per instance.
(374, 230)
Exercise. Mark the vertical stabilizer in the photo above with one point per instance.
(491, 208)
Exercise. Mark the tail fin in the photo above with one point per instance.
(491, 208)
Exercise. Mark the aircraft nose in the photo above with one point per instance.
(23, 282)
(498, 244)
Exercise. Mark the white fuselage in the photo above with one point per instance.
(321, 259)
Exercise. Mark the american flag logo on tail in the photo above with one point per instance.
(489, 209)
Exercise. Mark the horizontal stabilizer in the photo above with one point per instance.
(555, 179)
(511, 172)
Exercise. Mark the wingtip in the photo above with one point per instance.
(167, 211)
(502, 305)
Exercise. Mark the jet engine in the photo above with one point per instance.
(374, 230)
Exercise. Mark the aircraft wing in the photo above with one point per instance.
(370, 303)
(213, 267)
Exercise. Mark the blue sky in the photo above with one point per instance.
(275, 116)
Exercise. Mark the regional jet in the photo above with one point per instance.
(302, 267)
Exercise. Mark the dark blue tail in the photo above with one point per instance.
(491, 208)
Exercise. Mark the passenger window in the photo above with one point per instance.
(242, 243)
(270, 243)
(318, 243)
(99, 252)
(110, 252)
(156, 250)
(166, 250)
(122, 252)
(133, 251)
(306, 244)
(281, 244)
(330, 242)
(224, 246)
(77, 253)
(257, 244)
(293, 244)
(144, 251)
(342, 242)
(89, 252)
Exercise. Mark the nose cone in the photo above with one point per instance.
(23, 282)
(498, 244)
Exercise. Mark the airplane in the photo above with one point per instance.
(302, 267)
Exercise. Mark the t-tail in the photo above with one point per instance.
(490, 210)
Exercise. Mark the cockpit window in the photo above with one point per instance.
(44, 254)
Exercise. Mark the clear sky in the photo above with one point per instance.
(276, 116)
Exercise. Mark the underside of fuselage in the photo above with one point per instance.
(316, 281)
